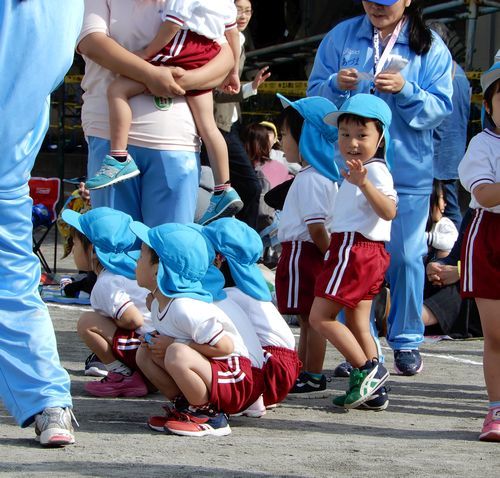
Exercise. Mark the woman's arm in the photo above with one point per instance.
(106, 52)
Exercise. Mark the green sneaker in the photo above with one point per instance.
(339, 401)
(364, 383)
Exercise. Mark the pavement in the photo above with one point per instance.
(430, 428)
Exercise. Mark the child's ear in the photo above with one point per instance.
(486, 107)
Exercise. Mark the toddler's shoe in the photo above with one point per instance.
(199, 423)
(112, 172)
(364, 383)
(53, 427)
(222, 205)
(117, 385)
(491, 426)
(172, 411)
(407, 362)
(306, 384)
(343, 370)
(256, 410)
(94, 367)
(378, 402)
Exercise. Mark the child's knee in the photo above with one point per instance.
(175, 356)
(85, 322)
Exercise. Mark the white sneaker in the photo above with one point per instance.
(256, 410)
(53, 427)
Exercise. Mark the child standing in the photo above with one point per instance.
(186, 39)
(479, 172)
(101, 239)
(241, 247)
(205, 360)
(305, 221)
(356, 261)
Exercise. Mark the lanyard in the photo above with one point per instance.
(379, 61)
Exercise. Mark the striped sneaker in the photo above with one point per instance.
(199, 423)
(53, 427)
(364, 383)
(112, 172)
(378, 402)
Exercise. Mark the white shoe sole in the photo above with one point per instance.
(219, 432)
(55, 437)
(96, 372)
(119, 179)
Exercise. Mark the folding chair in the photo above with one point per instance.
(46, 192)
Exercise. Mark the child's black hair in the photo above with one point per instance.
(420, 35)
(293, 120)
(489, 93)
(155, 259)
(437, 192)
(361, 120)
(76, 234)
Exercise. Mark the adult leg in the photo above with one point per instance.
(406, 274)
(31, 376)
(243, 177)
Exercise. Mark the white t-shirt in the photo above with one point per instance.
(209, 19)
(191, 320)
(353, 212)
(132, 24)
(113, 294)
(481, 165)
(245, 328)
(310, 199)
(268, 323)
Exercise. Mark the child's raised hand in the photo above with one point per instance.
(83, 192)
(356, 173)
(262, 75)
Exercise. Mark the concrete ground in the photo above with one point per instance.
(429, 430)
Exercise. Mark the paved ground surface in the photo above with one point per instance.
(429, 430)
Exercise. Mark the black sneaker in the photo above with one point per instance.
(407, 362)
(343, 370)
(306, 384)
(378, 402)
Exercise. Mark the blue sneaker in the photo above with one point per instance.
(407, 362)
(198, 423)
(222, 205)
(112, 172)
(343, 369)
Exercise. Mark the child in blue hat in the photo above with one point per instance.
(199, 354)
(241, 247)
(356, 260)
(479, 173)
(101, 240)
(305, 224)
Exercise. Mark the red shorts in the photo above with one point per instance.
(281, 370)
(232, 384)
(189, 51)
(354, 269)
(480, 257)
(299, 265)
(125, 346)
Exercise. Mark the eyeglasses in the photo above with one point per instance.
(248, 12)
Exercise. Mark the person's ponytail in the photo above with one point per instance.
(420, 34)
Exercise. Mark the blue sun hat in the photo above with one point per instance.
(317, 139)
(367, 106)
(242, 247)
(109, 232)
(183, 258)
(487, 79)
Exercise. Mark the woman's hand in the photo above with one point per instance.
(262, 75)
(389, 82)
(347, 79)
(161, 82)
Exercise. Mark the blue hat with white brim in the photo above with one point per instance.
(367, 106)
(317, 139)
(242, 248)
(183, 259)
(109, 232)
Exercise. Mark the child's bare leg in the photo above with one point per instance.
(322, 318)
(358, 322)
(97, 332)
(156, 374)
(120, 114)
(191, 371)
(203, 112)
(302, 346)
(490, 322)
(315, 348)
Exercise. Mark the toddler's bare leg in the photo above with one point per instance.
(358, 322)
(203, 113)
(120, 113)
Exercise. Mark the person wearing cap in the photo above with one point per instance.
(199, 357)
(101, 242)
(34, 386)
(305, 221)
(479, 173)
(241, 247)
(390, 53)
(356, 261)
